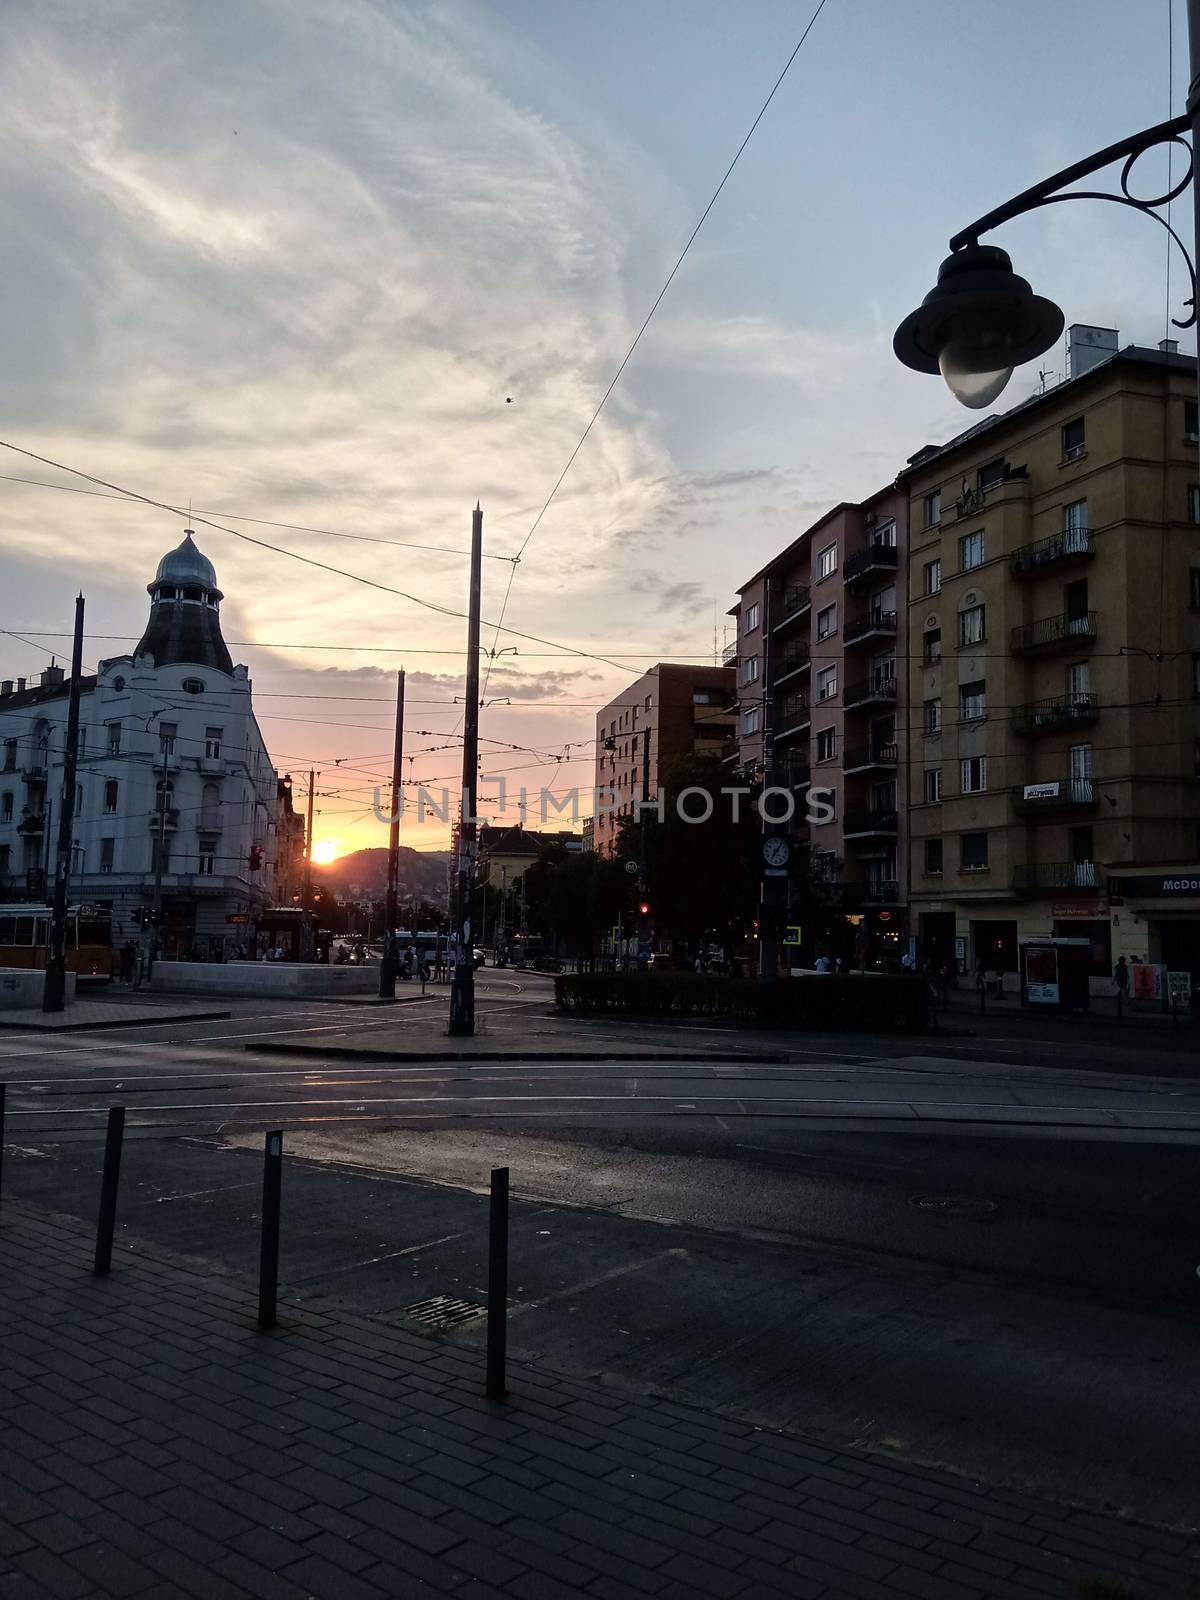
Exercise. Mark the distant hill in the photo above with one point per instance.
(364, 873)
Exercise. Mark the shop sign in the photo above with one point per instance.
(1158, 886)
(1041, 975)
(1064, 910)
(1040, 791)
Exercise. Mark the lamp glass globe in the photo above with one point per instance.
(974, 375)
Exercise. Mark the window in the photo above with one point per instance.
(1194, 502)
(970, 550)
(1073, 439)
(883, 796)
(826, 744)
(933, 577)
(1194, 596)
(1075, 604)
(78, 799)
(110, 797)
(972, 701)
(827, 683)
(208, 858)
(751, 720)
(933, 508)
(933, 646)
(974, 774)
(193, 686)
(824, 866)
(826, 562)
(1191, 421)
(995, 472)
(933, 858)
(107, 853)
(826, 623)
(10, 755)
(971, 626)
(933, 715)
(1075, 520)
(81, 745)
(4, 855)
(749, 622)
(973, 852)
(114, 738)
(1082, 844)
(6, 806)
(1195, 695)
(164, 796)
(885, 534)
(933, 785)
(166, 852)
(750, 672)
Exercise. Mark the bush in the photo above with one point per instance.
(872, 1000)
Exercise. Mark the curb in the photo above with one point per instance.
(119, 1022)
(772, 1058)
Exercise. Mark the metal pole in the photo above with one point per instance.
(108, 1191)
(307, 931)
(268, 1259)
(1193, 111)
(497, 1290)
(2, 1096)
(462, 983)
(156, 929)
(54, 988)
(387, 967)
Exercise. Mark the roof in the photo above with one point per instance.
(186, 564)
(518, 841)
(39, 696)
(1131, 355)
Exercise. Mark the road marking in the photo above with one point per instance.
(594, 1283)
(195, 1194)
(373, 1261)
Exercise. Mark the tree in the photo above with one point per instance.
(573, 897)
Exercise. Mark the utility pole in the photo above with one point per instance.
(307, 929)
(462, 982)
(156, 928)
(643, 924)
(387, 967)
(55, 987)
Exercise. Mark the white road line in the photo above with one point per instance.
(600, 1278)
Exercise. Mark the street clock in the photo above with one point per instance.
(776, 850)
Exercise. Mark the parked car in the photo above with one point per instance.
(540, 964)
(480, 959)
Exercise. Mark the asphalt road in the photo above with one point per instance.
(973, 1261)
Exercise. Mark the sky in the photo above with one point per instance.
(353, 266)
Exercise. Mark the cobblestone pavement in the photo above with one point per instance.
(156, 1444)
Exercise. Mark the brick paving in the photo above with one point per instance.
(155, 1444)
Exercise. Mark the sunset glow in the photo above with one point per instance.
(325, 851)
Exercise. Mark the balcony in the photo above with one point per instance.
(1060, 550)
(861, 758)
(1046, 877)
(881, 892)
(730, 654)
(793, 603)
(876, 558)
(31, 823)
(791, 663)
(35, 770)
(1055, 796)
(1053, 633)
(797, 774)
(877, 624)
(1055, 714)
(865, 824)
(791, 715)
(879, 690)
(171, 820)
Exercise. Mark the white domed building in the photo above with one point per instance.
(174, 720)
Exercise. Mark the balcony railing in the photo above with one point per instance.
(1072, 544)
(873, 624)
(730, 654)
(794, 600)
(1034, 877)
(859, 757)
(878, 689)
(1055, 795)
(1051, 632)
(1060, 711)
(860, 823)
(794, 660)
(875, 558)
(791, 713)
(32, 822)
(797, 774)
(171, 820)
(881, 892)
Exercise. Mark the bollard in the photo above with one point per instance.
(497, 1295)
(1, 1141)
(108, 1191)
(1120, 999)
(982, 999)
(268, 1261)
(1174, 1011)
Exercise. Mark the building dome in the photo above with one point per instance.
(186, 564)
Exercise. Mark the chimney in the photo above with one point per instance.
(20, 685)
(1169, 347)
(5, 688)
(1087, 347)
(52, 676)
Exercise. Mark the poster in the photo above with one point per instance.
(1146, 980)
(1179, 987)
(1041, 975)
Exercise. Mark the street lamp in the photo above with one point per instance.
(981, 320)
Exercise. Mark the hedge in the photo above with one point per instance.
(870, 1000)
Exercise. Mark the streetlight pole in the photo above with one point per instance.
(156, 928)
(387, 967)
(306, 929)
(462, 981)
(55, 986)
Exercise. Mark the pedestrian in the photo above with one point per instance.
(1121, 977)
(908, 961)
(821, 964)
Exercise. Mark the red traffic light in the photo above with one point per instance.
(255, 859)
(644, 908)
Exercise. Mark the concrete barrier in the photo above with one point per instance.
(279, 980)
(23, 987)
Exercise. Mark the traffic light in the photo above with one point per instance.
(255, 860)
(644, 908)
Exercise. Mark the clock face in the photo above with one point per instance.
(776, 851)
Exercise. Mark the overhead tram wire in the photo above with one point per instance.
(309, 561)
(658, 299)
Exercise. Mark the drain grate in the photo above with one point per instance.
(954, 1205)
(443, 1311)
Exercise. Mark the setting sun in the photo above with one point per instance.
(325, 851)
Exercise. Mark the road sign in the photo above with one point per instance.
(237, 916)
(632, 868)
(793, 934)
